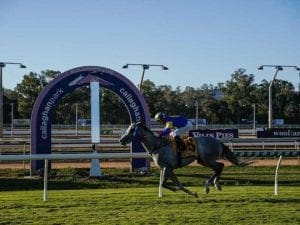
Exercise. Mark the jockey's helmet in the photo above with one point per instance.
(160, 117)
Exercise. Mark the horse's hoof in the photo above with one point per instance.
(206, 189)
(217, 185)
(207, 183)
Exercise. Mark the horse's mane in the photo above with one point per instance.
(144, 126)
(163, 141)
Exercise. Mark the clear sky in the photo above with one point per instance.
(201, 41)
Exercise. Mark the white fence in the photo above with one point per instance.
(47, 157)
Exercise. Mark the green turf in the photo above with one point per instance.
(70, 178)
(120, 197)
(234, 205)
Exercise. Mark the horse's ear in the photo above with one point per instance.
(140, 124)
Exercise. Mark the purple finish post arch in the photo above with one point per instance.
(41, 118)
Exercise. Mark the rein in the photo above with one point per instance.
(158, 143)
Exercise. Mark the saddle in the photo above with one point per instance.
(189, 147)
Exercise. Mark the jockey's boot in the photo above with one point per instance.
(179, 143)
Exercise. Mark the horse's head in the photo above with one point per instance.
(140, 131)
(129, 134)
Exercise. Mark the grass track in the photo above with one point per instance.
(234, 205)
(120, 197)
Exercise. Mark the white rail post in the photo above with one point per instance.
(276, 176)
(95, 170)
(45, 180)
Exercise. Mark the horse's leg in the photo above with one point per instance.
(163, 179)
(214, 179)
(162, 183)
(209, 182)
(218, 172)
(171, 188)
(175, 180)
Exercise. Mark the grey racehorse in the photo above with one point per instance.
(209, 151)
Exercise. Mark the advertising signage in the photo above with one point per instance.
(216, 133)
(278, 133)
(66, 82)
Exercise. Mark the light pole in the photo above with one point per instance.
(145, 67)
(2, 65)
(254, 111)
(277, 69)
(197, 113)
(76, 118)
(12, 119)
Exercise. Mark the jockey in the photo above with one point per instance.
(175, 126)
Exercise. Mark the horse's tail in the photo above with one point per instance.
(231, 157)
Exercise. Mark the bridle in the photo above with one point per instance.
(142, 137)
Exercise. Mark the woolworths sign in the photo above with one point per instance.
(279, 133)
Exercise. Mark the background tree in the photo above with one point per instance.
(210, 106)
(283, 101)
(295, 115)
(9, 97)
(65, 111)
(188, 100)
(27, 91)
(49, 74)
(113, 110)
(167, 100)
(151, 94)
(225, 103)
(239, 95)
